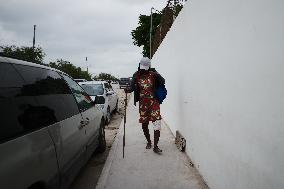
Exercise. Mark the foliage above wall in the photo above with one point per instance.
(162, 22)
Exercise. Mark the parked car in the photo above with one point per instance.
(49, 126)
(102, 89)
(80, 80)
(124, 83)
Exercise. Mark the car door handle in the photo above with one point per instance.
(81, 126)
(87, 121)
(83, 123)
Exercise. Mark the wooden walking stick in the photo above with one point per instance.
(125, 103)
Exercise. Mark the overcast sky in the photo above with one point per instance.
(73, 30)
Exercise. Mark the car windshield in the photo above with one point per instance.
(93, 89)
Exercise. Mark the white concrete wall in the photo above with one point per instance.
(223, 61)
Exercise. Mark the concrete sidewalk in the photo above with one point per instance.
(142, 168)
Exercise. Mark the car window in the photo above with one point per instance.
(10, 104)
(110, 87)
(20, 111)
(106, 87)
(93, 89)
(124, 80)
(83, 99)
(9, 76)
(51, 92)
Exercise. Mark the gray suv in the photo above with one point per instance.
(49, 126)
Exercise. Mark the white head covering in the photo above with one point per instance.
(145, 63)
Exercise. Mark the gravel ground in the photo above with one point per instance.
(89, 175)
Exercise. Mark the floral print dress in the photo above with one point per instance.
(149, 107)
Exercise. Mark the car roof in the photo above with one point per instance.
(25, 63)
(80, 79)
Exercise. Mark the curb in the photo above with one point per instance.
(108, 163)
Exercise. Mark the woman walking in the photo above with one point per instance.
(144, 84)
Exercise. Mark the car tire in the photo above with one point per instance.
(108, 116)
(102, 140)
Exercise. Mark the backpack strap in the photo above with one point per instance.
(137, 78)
(153, 75)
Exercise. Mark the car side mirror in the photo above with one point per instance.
(100, 100)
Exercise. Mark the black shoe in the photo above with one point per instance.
(149, 145)
(157, 150)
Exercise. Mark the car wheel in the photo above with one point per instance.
(108, 116)
(102, 140)
(116, 107)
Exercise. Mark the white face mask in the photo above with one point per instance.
(144, 67)
(145, 63)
